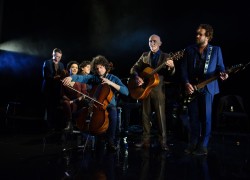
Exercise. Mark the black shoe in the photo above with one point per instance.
(200, 152)
(190, 149)
(111, 147)
(69, 127)
(164, 147)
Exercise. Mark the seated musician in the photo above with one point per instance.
(101, 76)
(72, 101)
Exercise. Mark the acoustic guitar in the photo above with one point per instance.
(150, 78)
(187, 98)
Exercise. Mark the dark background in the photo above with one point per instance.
(119, 30)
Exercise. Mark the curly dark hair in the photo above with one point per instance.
(100, 60)
(84, 63)
(209, 30)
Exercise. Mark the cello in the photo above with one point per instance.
(94, 119)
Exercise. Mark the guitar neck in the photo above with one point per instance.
(157, 69)
(204, 83)
(189, 98)
(173, 56)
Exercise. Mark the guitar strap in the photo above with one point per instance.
(208, 59)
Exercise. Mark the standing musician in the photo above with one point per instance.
(51, 86)
(101, 68)
(156, 97)
(201, 61)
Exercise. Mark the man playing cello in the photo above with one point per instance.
(101, 68)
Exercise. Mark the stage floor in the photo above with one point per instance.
(41, 155)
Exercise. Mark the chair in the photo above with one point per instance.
(231, 114)
(22, 117)
(81, 139)
(69, 140)
(77, 139)
(11, 110)
(88, 138)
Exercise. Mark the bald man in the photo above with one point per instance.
(156, 97)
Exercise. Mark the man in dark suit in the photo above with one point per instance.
(52, 70)
(201, 61)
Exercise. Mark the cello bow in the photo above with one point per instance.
(84, 95)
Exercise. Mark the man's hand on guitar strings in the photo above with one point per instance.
(139, 80)
(189, 89)
(223, 75)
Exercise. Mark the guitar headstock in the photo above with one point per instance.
(177, 55)
(235, 68)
